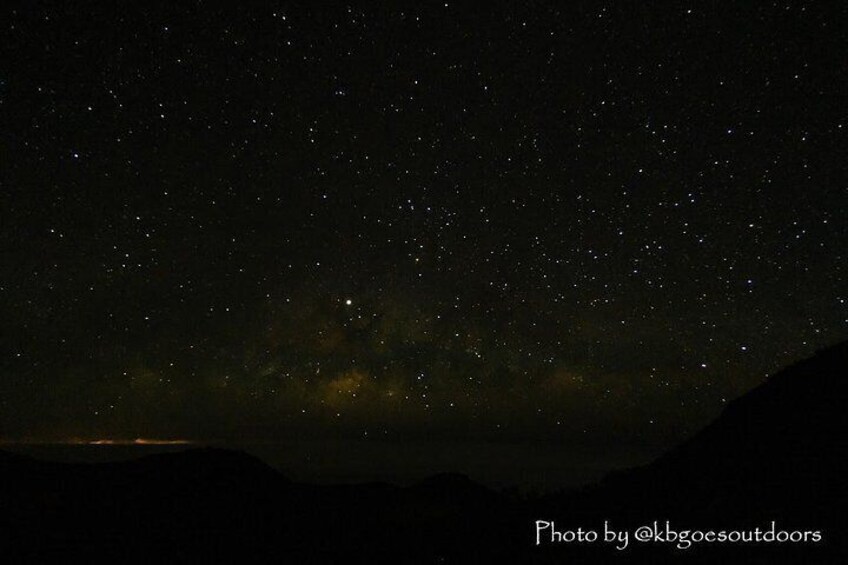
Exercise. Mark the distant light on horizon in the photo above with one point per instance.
(101, 441)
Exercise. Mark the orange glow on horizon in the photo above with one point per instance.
(137, 441)
(103, 441)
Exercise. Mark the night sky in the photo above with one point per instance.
(570, 224)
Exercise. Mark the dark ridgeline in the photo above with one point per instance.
(777, 453)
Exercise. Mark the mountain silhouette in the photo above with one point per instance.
(778, 450)
(775, 454)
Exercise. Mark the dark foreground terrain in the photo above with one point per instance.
(774, 455)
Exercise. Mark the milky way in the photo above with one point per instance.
(575, 224)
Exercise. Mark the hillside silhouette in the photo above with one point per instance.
(775, 454)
